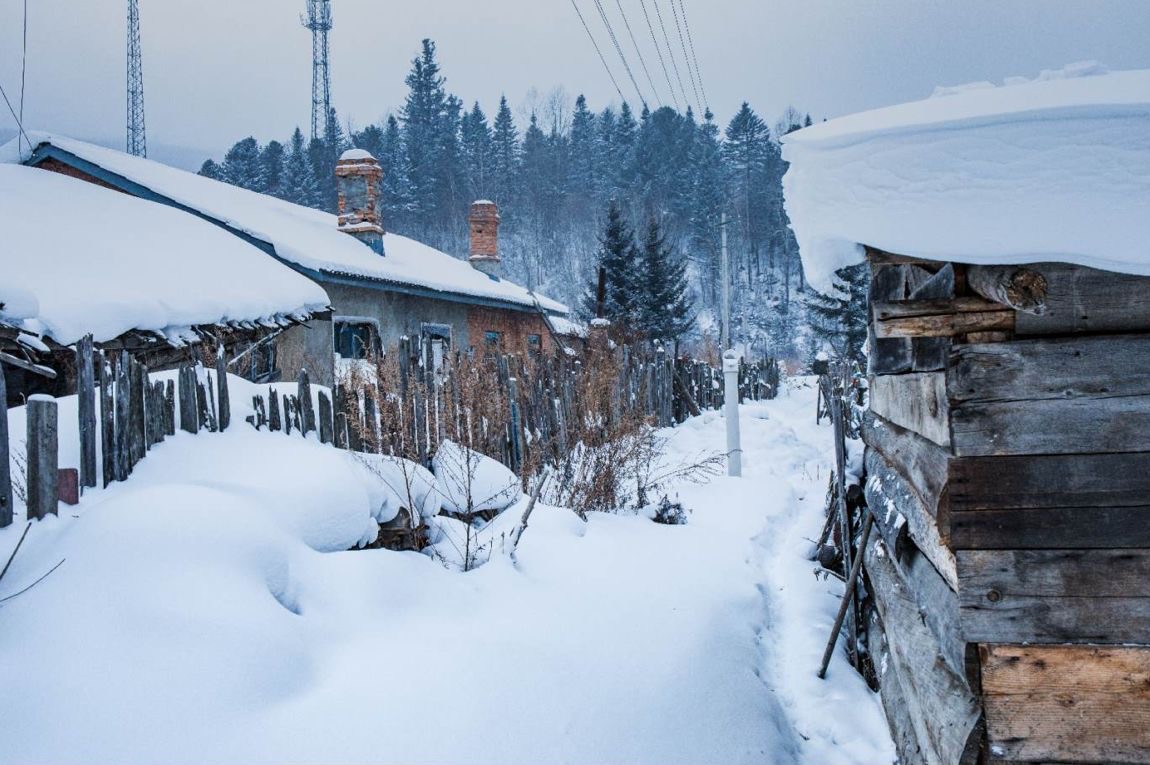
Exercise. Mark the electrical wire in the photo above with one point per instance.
(659, 52)
(596, 45)
(619, 50)
(24, 67)
(639, 52)
(686, 56)
(694, 58)
(19, 124)
(671, 52)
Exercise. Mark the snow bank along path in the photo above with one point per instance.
(208, 613)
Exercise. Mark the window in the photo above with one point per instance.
(355, 339)
(493, 340)
(534, 345)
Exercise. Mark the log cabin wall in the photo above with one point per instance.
(1008, 461)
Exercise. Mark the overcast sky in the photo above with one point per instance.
(217, 70)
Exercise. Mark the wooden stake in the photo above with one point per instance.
(43, 457)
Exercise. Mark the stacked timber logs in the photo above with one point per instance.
(1008, 469)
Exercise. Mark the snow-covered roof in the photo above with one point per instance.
(568, 327)
(77, 258)
(1055, 168)
(299, 235)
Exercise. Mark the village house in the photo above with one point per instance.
(382, 286)
(1007, 446)
(167, 287)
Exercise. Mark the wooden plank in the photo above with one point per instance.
(307, 411)
(274, 422)
(1051, 426)
(1044, 596)
(915, 401)
(942, 708)
(123, 417)
(1067, 703)
(170, 408)
(887, 496)
(189, 410)
(1048, 481)
(5, 465)
(1081, 528)
(43, 457)
(86, 395)
(139, 381)
(932, 353)
(922, 464)
(1082, 299)
(1052, 368)
(940, 318)
(325, 423)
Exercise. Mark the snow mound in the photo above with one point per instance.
(408, 486)
(78, 258)
(461, 472)
(353, 154)
(1053, 168)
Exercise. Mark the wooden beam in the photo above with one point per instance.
(1076, 528)
(915, 401)
(1054, 596)
(939, 702)
(1080, 299)
(1067, 703)
(1047, 481)
(1022, 289)
(1098, 366)
(941, 318)
(1051, 426)
(921, 463)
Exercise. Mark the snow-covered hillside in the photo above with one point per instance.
(208, 611)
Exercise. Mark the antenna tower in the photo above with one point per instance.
(318, 20)
(137, 143)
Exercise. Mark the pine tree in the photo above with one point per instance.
(839, 319)
(299, 182)
(272, 169)
(618, 257)
(664, 309)
(241, 165)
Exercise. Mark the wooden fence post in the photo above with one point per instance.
(43, 457)
(288, 414)
(325, 423)
(5, 467)
(138, 375)
(123, 417)
(514, 425)
(273, 410)
(107, 422)
(223, 399)
(189, 408)
(86, 392)
(170, 408)
(307, 411)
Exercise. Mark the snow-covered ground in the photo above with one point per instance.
(207, 611)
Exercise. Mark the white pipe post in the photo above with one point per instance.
(725, 288)
(731, 412)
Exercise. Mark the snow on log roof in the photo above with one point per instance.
(300, 235)
(78, 258)
(1055, 168)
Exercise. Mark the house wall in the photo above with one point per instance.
(397, 315)
(1008, 459)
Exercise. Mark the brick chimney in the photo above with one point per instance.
(357, 176)
(484, 220)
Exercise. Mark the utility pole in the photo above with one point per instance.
(318, 20)
(137, 143)
(725, 287)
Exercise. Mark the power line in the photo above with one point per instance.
(639, 52)
(671, 52)
(19, 124)
(619, 50)
(601, 58)
(659, 51)
(24, 68)
(686, 56)
(691, 42)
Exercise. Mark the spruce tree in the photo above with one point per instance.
(664, 309)
(272, 169)
(241, 165)
(299, 182)
(394, 188)
(211, 170)
(618, 257)
(839, 319)
(476, 152)
(504, 156)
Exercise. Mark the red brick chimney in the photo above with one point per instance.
(484, 220)
(357, 176)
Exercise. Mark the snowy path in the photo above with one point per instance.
(193, 623)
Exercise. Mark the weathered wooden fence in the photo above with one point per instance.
(122, 411)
